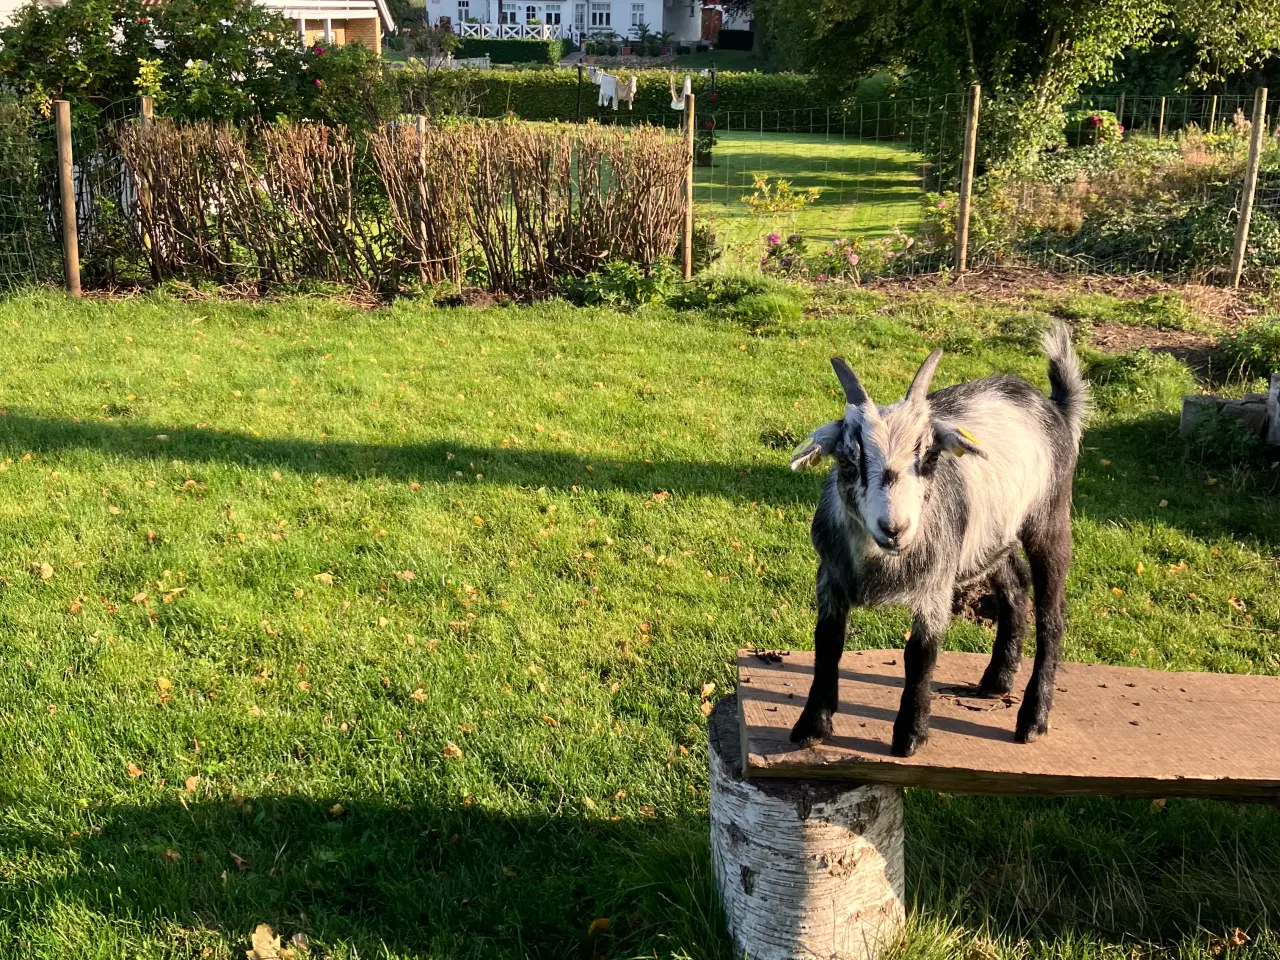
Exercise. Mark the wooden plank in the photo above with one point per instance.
(1114, 730)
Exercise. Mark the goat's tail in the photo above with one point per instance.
(1069, 389)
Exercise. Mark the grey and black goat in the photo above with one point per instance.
(935, 493)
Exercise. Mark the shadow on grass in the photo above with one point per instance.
(422, 879)
(432, 460)
(1149, 462)
(452, 880)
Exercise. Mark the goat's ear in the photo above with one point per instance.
(955, 440)
(821, 443)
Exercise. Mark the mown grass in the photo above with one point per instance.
(390, 627)
(866, 188)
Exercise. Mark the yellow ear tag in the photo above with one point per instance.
(968, 436)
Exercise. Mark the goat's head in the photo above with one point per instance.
(886, 457)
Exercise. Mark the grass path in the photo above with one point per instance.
(866, 187)
(390, 628)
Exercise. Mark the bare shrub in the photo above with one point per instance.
(508, 206)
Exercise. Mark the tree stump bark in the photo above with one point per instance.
(806, 869)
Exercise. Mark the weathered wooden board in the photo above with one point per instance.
(1114, 730)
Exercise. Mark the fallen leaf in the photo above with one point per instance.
(452, 751)
(135, 771)
(707, 707)
(1140, 569)
(300, 941)
(1239, 938)
(1235, 602)
(139, 597)
(255, 711)
(509, 873)
(1158, 805)
(171, 855)
(304, 686)
(1164, 503)
(551, 721)
(383, 621)
(266, 945)
(708, 689)
(420, 695)
(46, 571)
(620, 795)
(406, 575)
(325, 578)
(77, 605)
(192, 782)
(598, 926)
(1104, 463)
(241, 863)
(1178, 567)
(337, 810)
(1117, 591)
(163, 684)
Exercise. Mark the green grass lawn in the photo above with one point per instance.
(741, 61)
(866, 187)
(390, 628)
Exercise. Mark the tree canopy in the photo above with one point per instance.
(1031, 56)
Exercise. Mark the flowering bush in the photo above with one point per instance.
(842, 261)
(784, 258)
(1088, 127)
(199, 59)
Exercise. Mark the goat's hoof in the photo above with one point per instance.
(908, 744)
(812, 727)
(994, 687)
(1030, 732)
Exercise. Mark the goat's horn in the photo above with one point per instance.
(919, 388)
(853, 392)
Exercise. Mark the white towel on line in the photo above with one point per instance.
(677, 102)
(608, 90)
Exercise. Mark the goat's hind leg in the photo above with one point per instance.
(1009, 585)
(1049, 550)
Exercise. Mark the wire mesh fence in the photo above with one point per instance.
(873, 178)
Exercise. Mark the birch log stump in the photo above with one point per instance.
(806, 869)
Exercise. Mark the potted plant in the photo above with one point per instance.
(703, 142)
(664, 42)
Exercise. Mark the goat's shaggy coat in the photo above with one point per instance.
(906, 517)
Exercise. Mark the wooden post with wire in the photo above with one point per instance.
(1256, 133)
(67, 185)
(421, 126)
(686, 243)
(966, 177)
(146, 116)
(1160, 124)
(1213, 113)
(1120, 112)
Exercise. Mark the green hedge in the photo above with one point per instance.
(513, 51)
(553, 94)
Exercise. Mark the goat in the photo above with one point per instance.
(905, 517)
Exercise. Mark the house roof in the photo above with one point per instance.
(333, 9)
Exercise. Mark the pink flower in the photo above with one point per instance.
(1096, 120)
(773, 239)
(942, 204)
(1120, 128)
(708, 124)
(822, 278)
(319, 51)
(317, 81)
(853, 259)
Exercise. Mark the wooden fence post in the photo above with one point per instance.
(966, 178)
(1160, 124)
(1256, 133)
(1120, 113)
(146, 116)
(67, 183)
(1213, 112)
(686, 245)
(421, 126)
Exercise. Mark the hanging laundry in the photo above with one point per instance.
(677, 101)
(608, 90)
(627, 91)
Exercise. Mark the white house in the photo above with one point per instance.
(568, 18)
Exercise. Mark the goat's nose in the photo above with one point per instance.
(892, 530)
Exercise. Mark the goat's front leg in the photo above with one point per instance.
(911, 728)
(828, 644)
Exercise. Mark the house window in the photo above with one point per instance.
(553, 15)
(601, 15)
(637, 14)
(464, 11)
(508, 15)
(580, 15)
(530, 14)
